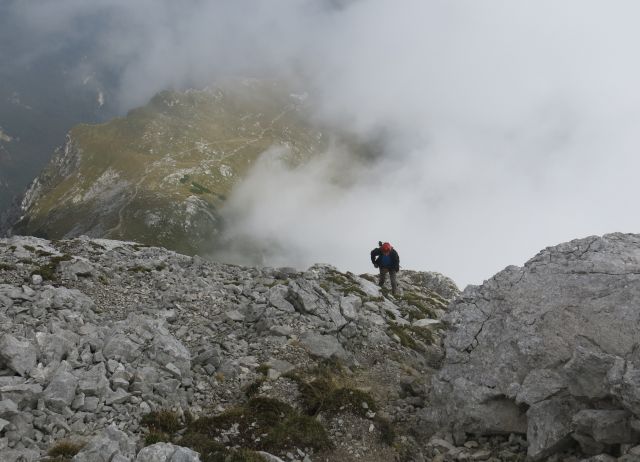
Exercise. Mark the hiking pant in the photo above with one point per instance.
(392, 276)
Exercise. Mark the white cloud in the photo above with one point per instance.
(507, 125)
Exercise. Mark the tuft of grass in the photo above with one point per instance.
(409, 334)
(422, 304)
(197, 188)
(139, 269)
(405, 339)
(387, 430)
(372, 299)
(6, 267)
(298, 431)
(325, 395)
(423, 333)
(329, 390)
(263, 369)
(97, 246)
(346, 284)
(43, 253)
(154, 437)
(30, 248)
(262, 424)
(164, 420)
(242, 455)
(210, 450)
(48, 270)
(64, 450)
(254, 387)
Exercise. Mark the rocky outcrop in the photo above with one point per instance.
(549, 350)
(96, 334)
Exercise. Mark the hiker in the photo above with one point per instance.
(387, 259)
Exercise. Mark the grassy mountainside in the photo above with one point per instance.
(160, 174)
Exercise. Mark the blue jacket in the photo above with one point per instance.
(376, 258)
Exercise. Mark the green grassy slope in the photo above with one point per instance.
(160, 174)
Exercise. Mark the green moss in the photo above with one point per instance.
(7, 267)
(43, 253)
(30, 248)
(164, 420)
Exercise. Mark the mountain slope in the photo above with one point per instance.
(160, 174)
(324, 364)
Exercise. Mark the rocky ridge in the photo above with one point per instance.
(549, 350)
(97, 334)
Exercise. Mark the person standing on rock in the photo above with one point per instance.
(387, 260)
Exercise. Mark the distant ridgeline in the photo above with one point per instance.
(161, 174)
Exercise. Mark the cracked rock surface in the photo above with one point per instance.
(94, 334)
(549, 350)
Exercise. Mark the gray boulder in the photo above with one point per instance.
(18, 355)
(535, 349)
(61, 390)
(166, 452)
(109, 445)
(323, 346)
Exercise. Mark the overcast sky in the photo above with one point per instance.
(507, 125)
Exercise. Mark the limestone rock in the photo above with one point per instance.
(166, 452)
(323, 346)
(60, 391)
(18, 355)
(559, 335)
(104, 447)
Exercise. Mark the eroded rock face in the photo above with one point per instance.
(550, 349)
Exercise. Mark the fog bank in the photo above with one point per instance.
(507, 126)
